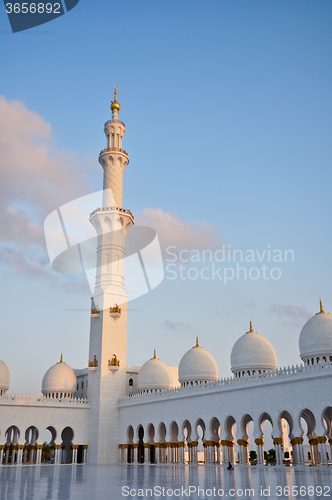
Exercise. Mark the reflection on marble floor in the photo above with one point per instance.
(106, 483)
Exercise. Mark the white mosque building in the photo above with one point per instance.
(110, 412)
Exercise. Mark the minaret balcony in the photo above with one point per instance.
(115, 312)
(95, 313)
(109, 150)
(93, 365)
(114, 364)
(109, 209)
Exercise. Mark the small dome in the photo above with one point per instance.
(59, 379)
(316, 337)
(197, 366)
(153, 375)
(4, 378)
(252, 352)
(115, 104)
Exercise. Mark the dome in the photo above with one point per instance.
(316, 337)
(4, 378)
(252, 352)
(59, 381)
(197, 366)
(153, 376)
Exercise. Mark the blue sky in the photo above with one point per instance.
(227, 107)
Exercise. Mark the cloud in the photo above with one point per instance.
(36, 178)
(172, 230)
(178, 326)
(289, 313)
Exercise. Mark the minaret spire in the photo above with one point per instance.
(321, 311)
(115, 106)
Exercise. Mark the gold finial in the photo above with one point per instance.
(61, 358)
(321, 309)
(251, 330)
(115, 105)
(154, 355)
(197, 343)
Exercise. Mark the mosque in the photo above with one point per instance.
(111, 412)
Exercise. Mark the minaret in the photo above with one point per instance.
(108, 331)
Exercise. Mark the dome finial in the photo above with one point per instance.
(197, 343)
(154, 354)
(251, 330)
(115, 106)
(61, 358)
(321, 309)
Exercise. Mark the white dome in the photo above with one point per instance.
(197, 365)
(251, 352)
(153, 375)
(4, 377)
(316, 337)
(60, 378)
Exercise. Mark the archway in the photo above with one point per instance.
(200, 429)
(244, 441)
(228, 443)
(30, 445)
(214, 454)
(173, 451)
(162, 442)
(67, 436)
(140, 450)
(265, 425)
(12, 436)
(152, 448)
(130, 443)
(186, 433)
(308, 425)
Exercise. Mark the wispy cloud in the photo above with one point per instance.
(289, 313)
(36, 178)
(174, 231)
(178, 326)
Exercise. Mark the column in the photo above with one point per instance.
(14, 453)
(322, 449)
(2, 447)
(330, 448)
(85, 447)
(315, 458)
(39, 454)
(121, 453)
(169, 452)
(6, 454)
(194, 451)
(277, 446)
(135, 460)
(218, 453)
(230, 447)
(260, 451)
(57, 449)
(74, 454)
(243, 451)
(181, 451)
(20, 448)
(146, 453)
(298, 456)
(207, 452)
(224, 452)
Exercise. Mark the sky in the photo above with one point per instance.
(227, 107)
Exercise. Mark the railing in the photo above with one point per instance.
(114, 149)
(117, 121)
(42, 399)
(279, 375)
(102, 209)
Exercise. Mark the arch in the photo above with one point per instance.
(186, 431)
(215, 429)
(130, 443)
(67, 436)
(31, 437)
(310, 420)
(327, 419)
(174, 432)
(289, 419)
(49, 437)
(140, 442)
(229, 426)
(12, 435)
(151, 433)
(245, 421)
(162, 432)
